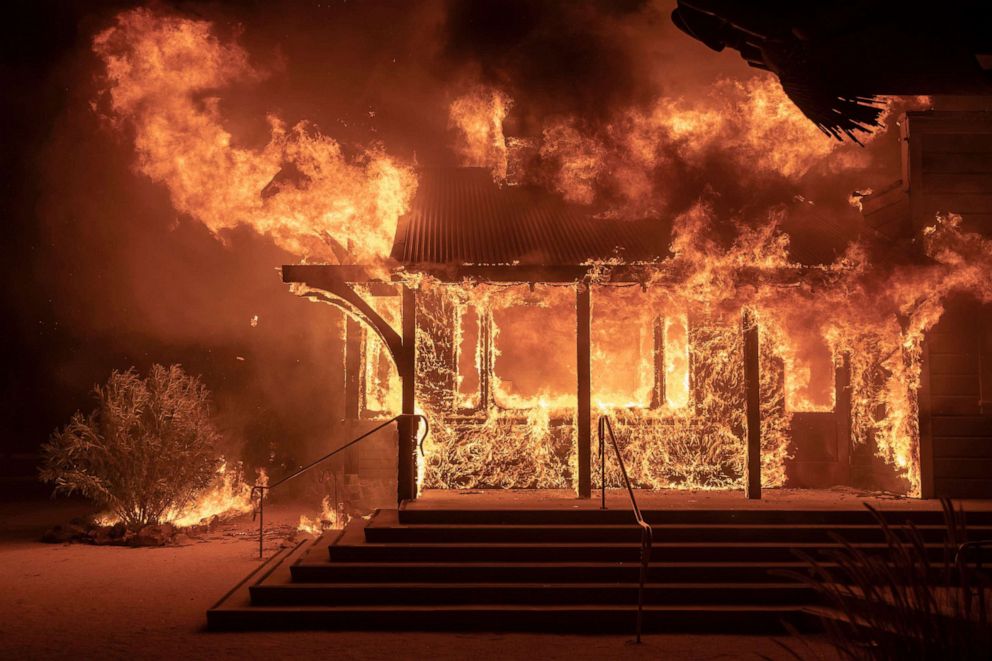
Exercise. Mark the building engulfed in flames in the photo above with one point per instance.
(532, 318)
(515, 301)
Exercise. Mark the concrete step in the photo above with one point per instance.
(424, 594)
(557, 570)
(592, 552)
(387, 533)
(585, 618)
(319, 570)
(593, 516)
(235, 611)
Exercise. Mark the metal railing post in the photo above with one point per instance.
(405, 417)
(602, 464)
(261, 520)
(647, 533)
(260, 512)
(406, 478)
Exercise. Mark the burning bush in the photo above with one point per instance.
(147, 448)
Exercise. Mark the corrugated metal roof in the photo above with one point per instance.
(461, 216)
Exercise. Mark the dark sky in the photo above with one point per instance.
(104, 274)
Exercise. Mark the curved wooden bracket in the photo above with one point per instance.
(338, 292)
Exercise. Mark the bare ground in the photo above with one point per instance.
(78, 601)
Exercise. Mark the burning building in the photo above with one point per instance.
(528, 317)
(514, 321)
(570, 270)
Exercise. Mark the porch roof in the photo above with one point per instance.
(460, 216)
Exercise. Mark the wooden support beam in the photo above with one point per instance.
(329, 279)
(352, 384)
(406, 482)
(658, 392)
(486, 362)
(352, 368)
(752, 398)
(315, 275)
(842, 417)
(583, 370)
(925, 411)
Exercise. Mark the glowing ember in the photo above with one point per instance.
(229, 496)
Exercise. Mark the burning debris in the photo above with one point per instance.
(331, 517)
(80, 531)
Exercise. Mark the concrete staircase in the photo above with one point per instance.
(553, 570)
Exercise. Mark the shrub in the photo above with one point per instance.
(147, 448)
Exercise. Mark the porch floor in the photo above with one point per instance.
(837, 498)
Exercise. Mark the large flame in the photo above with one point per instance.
(641, 149)
(477, 117)
(164, 75)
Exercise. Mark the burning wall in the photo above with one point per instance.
(667, 361)
(676, 393)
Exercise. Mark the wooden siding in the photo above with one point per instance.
(947, 167)
(887, 211)
(961, 417)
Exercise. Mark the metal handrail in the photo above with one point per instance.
(962, 549)
(260, 489)
(967, 546)
(647, 533)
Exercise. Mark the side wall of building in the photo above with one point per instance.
(947, 162)
(959, 362)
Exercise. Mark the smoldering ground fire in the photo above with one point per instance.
(527, 218)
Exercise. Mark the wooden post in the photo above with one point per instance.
(486, 364)
(352, 367)
(584, 393)
(842, 418)
(925, 411)
(658, 394)
(406, 481)
(352, 386)
(752, 395)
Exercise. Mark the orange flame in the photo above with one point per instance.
(328, 519)
(163, 74)
(477, 116)
(229, 495)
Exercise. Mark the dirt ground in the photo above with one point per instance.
(83, 602)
